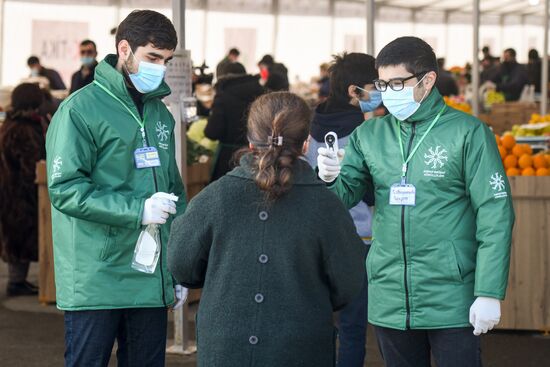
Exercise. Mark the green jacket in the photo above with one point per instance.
(98, 194)
(429, 262)
(274, 272)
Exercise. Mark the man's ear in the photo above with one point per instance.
(351, 91)
(123, 49)
(429, 80)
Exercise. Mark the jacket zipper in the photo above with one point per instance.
(160, 233)
(407, 303)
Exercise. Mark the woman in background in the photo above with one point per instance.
(22, 145)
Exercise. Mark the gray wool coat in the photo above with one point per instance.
(272, 274)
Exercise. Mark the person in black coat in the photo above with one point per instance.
(22, 145)
(512, 76)
(274, 251)
(227, 121)
(56, 83)
(275, 73)
(445, 83)
(85, 76)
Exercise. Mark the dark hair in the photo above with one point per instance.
(235, 68)
(274, 115)
(511, 51)
(533, 54)
(33, 60)
(26, 96)
(441, 63)
(485, 49)
(142, 27)
(267, 60)
(87, 43)
(414, 53)
(234, 51)
(350, 69)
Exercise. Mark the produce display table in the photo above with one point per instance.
(527, 303)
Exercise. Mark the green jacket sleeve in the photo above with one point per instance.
(71, 154)
(189, 244)
(344, 262)
(491, 199)
(355, 178)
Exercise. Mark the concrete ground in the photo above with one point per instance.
(32, 335)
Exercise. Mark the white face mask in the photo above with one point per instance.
(402, 104)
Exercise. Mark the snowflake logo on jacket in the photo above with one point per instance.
(162, 131)
(497, 182)
(437, 158)
(57, 164)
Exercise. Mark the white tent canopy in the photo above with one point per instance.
(300, 33)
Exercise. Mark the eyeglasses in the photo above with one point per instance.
(396, 84)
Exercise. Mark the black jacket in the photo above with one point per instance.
(227, 120)
(511, 79)
(446, 84)
(78, 81)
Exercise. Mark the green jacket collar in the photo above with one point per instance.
(303, 173)
(107, 74)
(429, 108)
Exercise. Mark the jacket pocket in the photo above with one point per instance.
(454, 263)
(108, 241)
(371, 272)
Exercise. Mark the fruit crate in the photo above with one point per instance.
(504, 116)
(526, 306)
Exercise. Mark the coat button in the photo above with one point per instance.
(259, 298)
(263, 259)
(263, 215)
(253, 340)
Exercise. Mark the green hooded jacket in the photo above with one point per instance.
(428, 262)
(98, 194)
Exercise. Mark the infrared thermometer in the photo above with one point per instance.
(331, 141)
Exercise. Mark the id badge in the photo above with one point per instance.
(403, 195)
(147, 157)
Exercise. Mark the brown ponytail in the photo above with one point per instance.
(278, 126)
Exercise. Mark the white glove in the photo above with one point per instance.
(158, 207)
(181, 296)
(329, 164)
(484, 314)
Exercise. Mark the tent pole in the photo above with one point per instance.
(475, 64)
(544, 81)
(371, 14)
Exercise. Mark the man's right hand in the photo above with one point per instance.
(157, 209)
(328, 164)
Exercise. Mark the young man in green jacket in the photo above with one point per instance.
(111, 165)
(443, 220)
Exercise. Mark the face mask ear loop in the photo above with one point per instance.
(425, 93)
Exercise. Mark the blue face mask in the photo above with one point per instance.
(87, 60)
(149, 76)
(402, 104)
(375, 100)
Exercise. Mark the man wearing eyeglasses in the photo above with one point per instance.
(439, 260)
(85, 76)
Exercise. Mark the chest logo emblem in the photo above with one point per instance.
(436, 158)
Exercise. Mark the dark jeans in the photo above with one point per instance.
(140, 334)
(352, 331)
(457, 347)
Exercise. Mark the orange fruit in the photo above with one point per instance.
(513, 172)
(508, 141)
(499, 141)
(543, 172)
(529, 171)
(547, 157)
(525, 161)
(539, 161)
(502, 151)
(527, 148)
(510, 161)
(518, 150)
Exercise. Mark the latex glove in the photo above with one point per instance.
(484, 314)
(181, 296)
(158, 208)
(328, 163)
